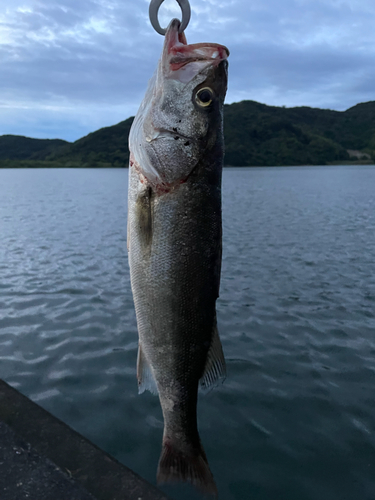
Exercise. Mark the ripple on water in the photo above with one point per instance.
(295, 417)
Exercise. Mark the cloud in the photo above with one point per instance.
(70, 67)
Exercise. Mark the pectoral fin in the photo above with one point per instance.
(144, 218)
(145, 377)
(214, 371)
(128, 235)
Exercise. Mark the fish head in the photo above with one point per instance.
(180, 118)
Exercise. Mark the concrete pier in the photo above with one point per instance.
(41, 458)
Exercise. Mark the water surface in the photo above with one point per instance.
(295, 418)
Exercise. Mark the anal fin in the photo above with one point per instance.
(214, 371)
(145, 377)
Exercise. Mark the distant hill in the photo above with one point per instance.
(107, 146)
(255, 134)
(16, 147)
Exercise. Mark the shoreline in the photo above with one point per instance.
(21, 164)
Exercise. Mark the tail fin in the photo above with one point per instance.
(176, 465)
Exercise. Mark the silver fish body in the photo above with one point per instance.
(174, 242)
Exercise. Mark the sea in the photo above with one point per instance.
(295, 417)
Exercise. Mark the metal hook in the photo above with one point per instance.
(153, 13)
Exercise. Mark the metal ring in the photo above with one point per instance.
(153, 13)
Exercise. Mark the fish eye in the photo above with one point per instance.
(204, 97)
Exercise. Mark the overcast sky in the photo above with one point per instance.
(69, 67)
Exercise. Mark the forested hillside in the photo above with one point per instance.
(255, 135)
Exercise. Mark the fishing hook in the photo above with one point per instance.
(153, 13)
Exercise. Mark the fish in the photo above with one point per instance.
(175, 243)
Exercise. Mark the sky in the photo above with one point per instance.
(70, 67)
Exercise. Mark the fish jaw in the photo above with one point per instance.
(171, 130)
(183, 62)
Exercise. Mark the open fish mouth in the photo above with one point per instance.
(183, 61)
